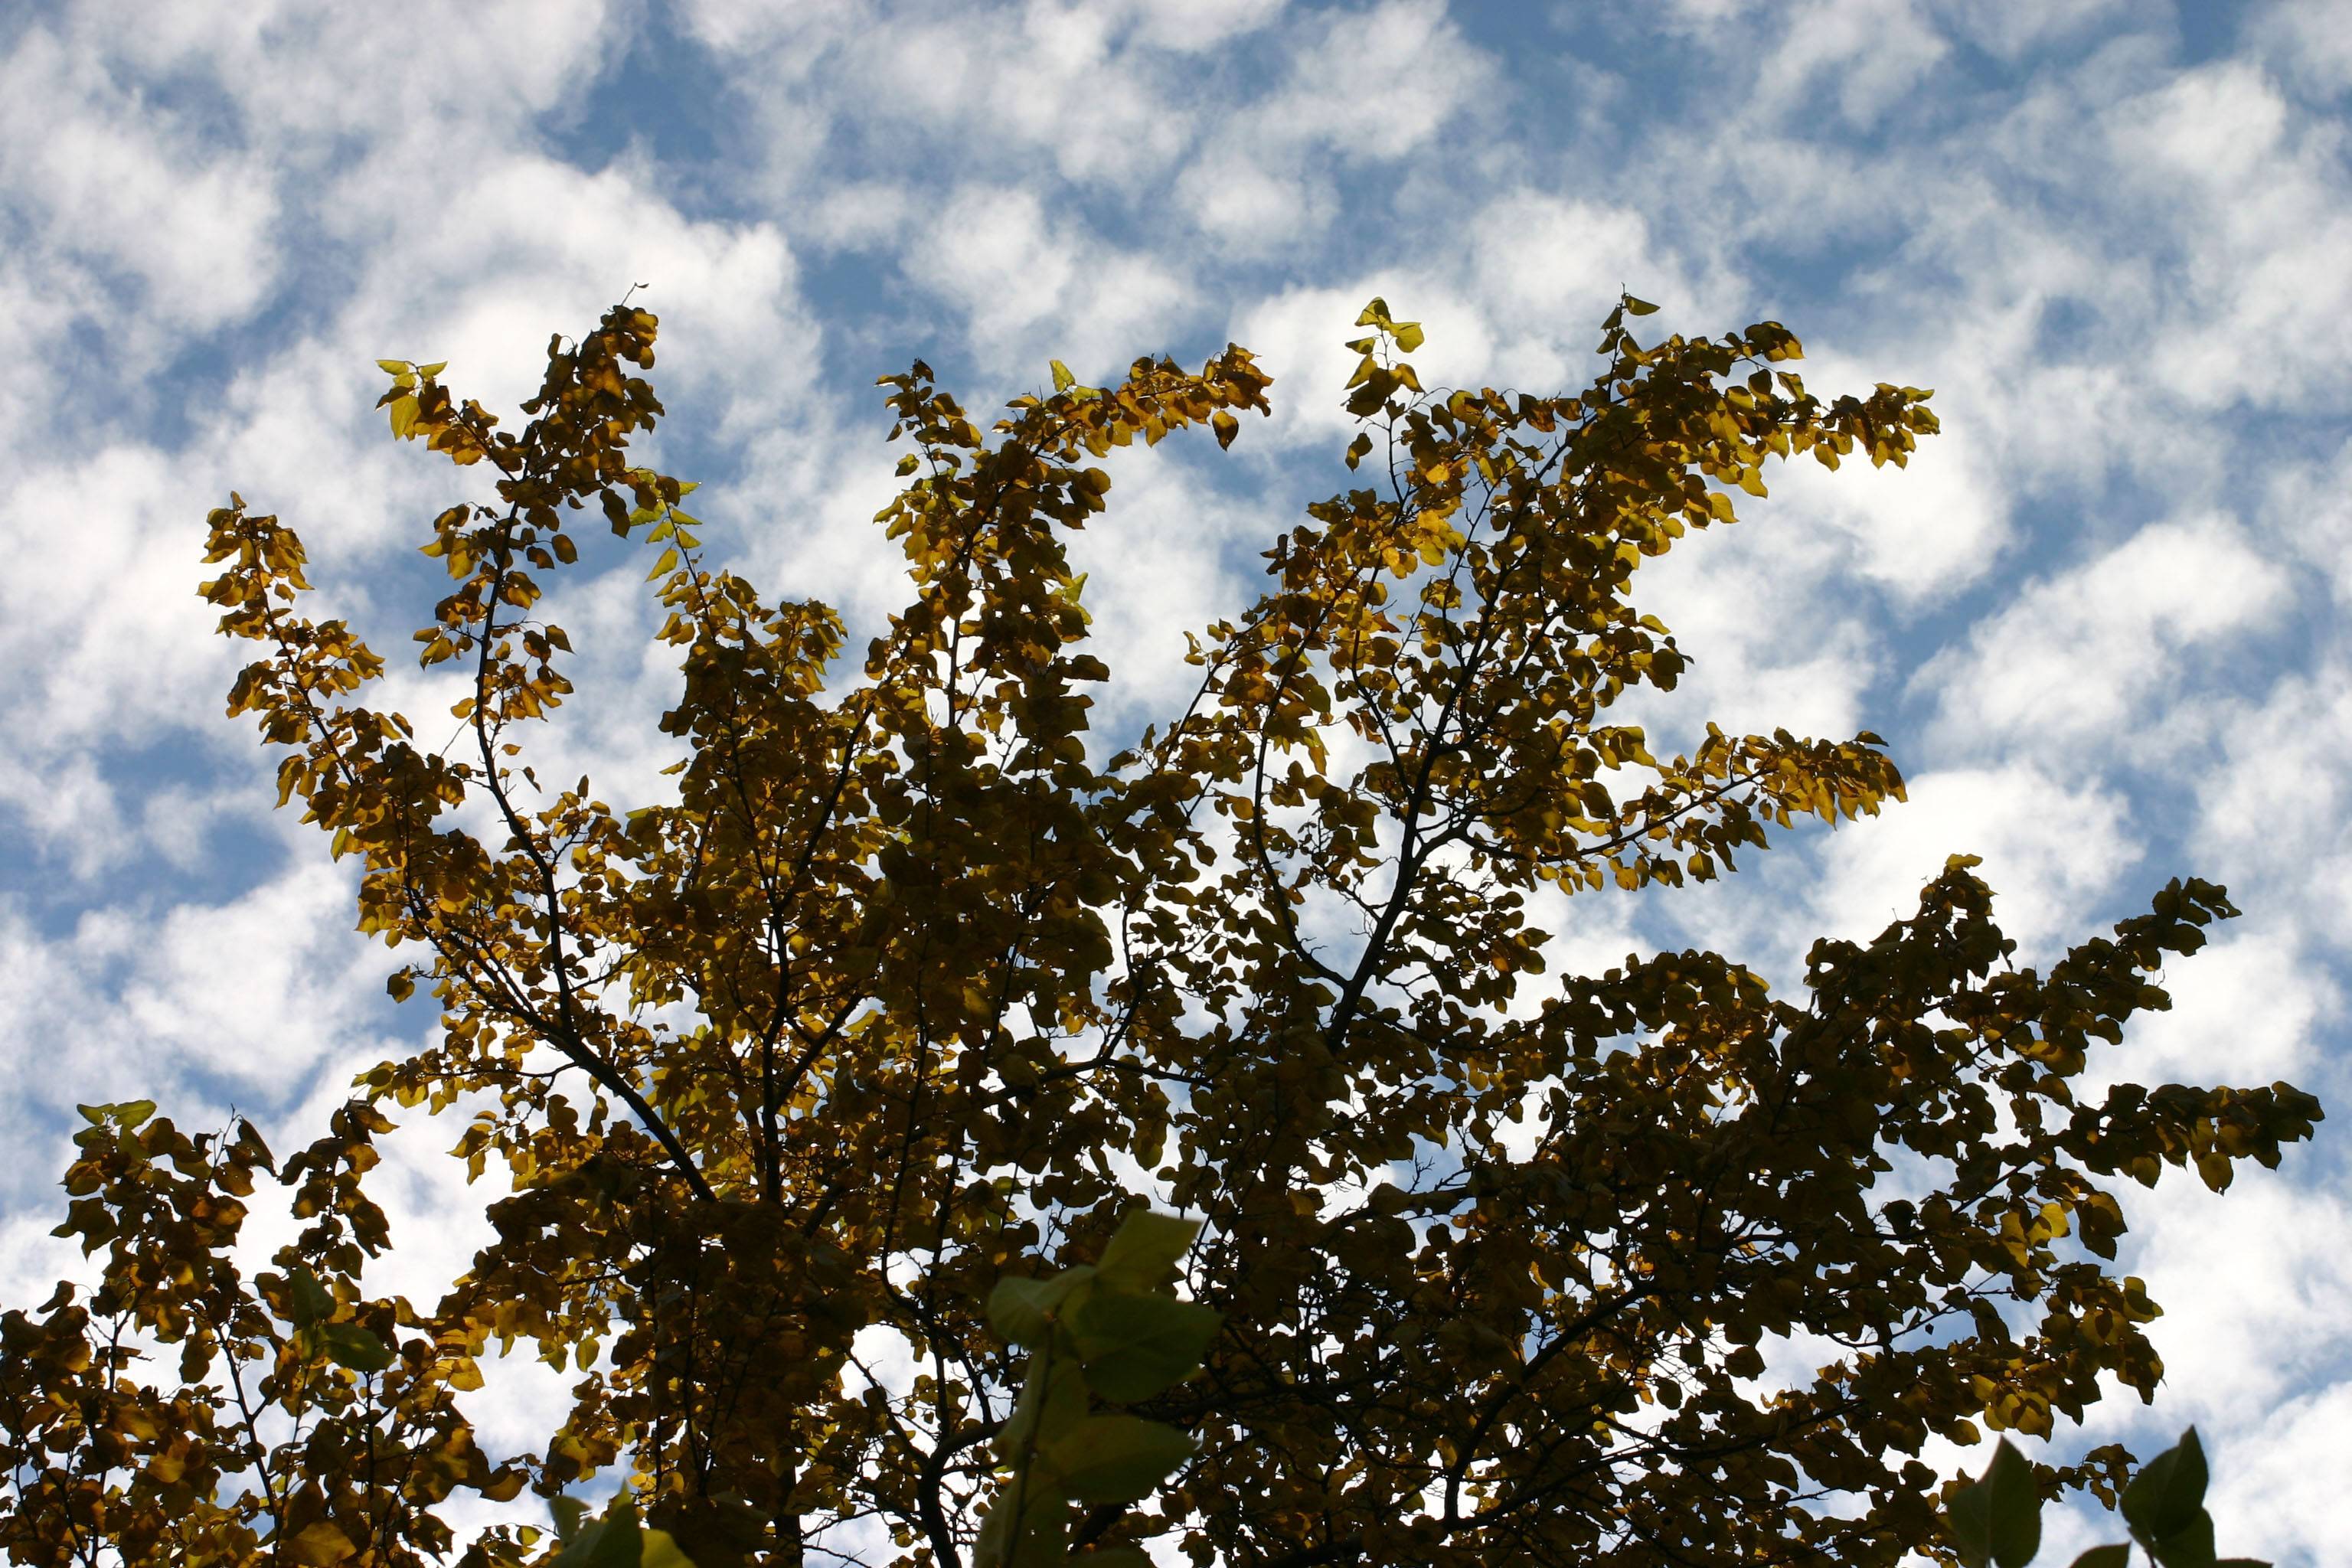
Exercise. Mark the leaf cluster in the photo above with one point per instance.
(1996, 1519)
(905, 984)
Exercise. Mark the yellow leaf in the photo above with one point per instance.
(321, 1545)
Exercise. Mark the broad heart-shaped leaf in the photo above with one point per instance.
(2013, 1514)
(1052, 1401)
(2016, 1512)
(1017, 1308)
(1996, 1519)
(321, 1545)
(2117, 1555)
(1144, 1252)
(1969, 1520)
(1135, 1346)
(310, 1299)
(658, 1548)
(350, 1346)
(126, 1114)
(568, 1511)
(1040, 1538)
(2169, 1493)
(615, 1540)
(2190, 1546)
(1114, 1458)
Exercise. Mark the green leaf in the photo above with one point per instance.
(2115, 1556)
(1063, 379)
(1040, 1538)
(1053, 1400)
(2169, 1493)
(311, 1301)
(667, 561)
(1115, 1458)
(1409, 336)
(1136, 1346)
(2016, 1507)
(1996, 1519)
(350, 1346)
(611, 1542)
(2190, 1546)
(1018, 1306)
(1968, 1519)
(1145, 1250)
(125, 1114)
(568, 1511)
(658, 1548)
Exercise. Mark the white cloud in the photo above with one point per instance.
(1162, 563)
(110, 629)
(2247, 1008)
(2268, 215)
(119, 182)
(524, 244)
(2253, 1283)
(1376, 84)
(1872, 56)
(196, 1005)
(1559, 264)
(442, 68)
(2269, 1496)
(2010, 29)
(2271, 807)
(2050, 850)
(2076, 658)
(1364, 87)
(2305, 40)
(1031, 287)
(1919, 534)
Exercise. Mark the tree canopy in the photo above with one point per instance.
(908, 991)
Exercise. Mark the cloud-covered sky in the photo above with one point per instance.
(2102, 619)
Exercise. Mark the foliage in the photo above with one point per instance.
(1110, 1330)
(1996, 1519)
(906, 985)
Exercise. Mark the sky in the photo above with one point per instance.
(2101, 620)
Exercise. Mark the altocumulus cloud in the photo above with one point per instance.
(2102, 620)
